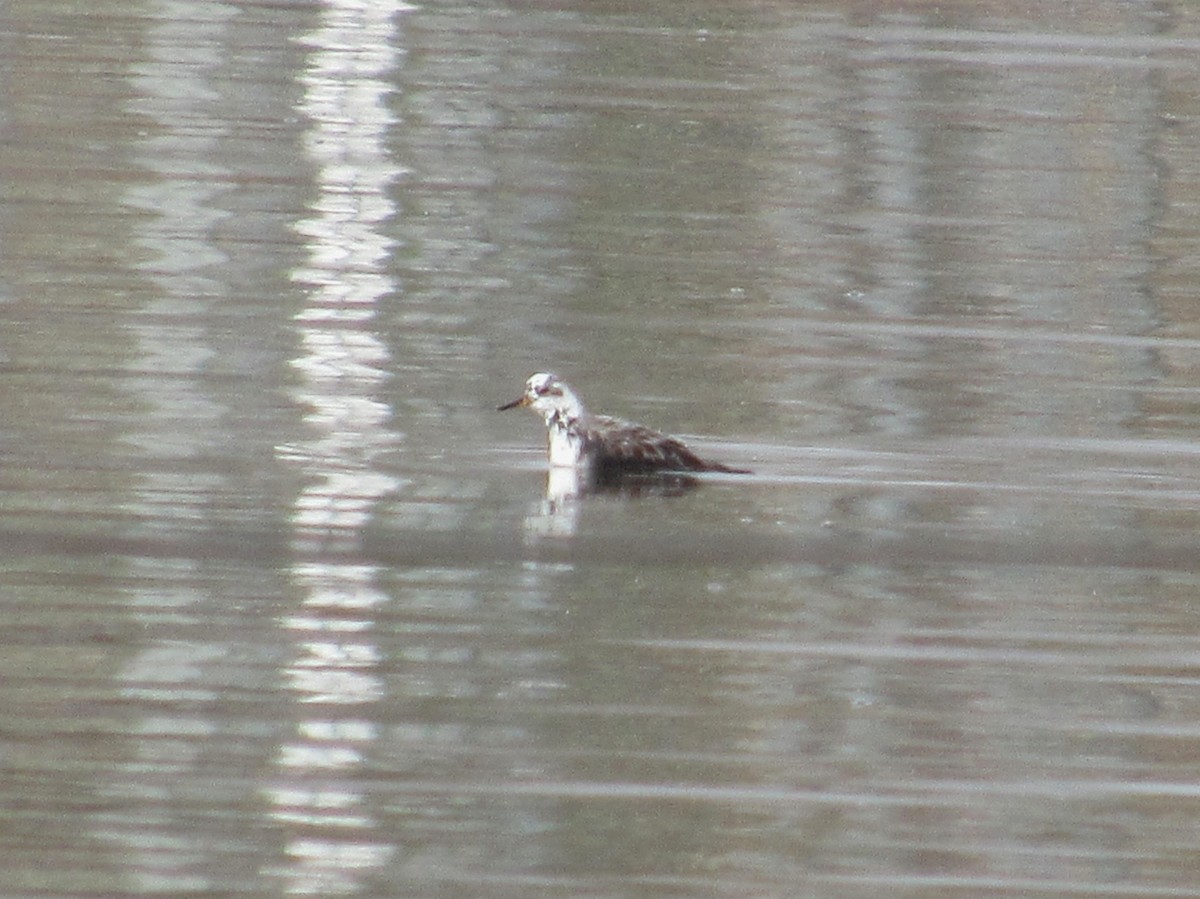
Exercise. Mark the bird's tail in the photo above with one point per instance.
(725, 469)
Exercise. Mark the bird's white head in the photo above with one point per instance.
(550, 397)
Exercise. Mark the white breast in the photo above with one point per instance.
(566, 448)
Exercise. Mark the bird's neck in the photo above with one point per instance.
(562, 419)
(566, 440)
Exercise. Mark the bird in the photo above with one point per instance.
(604, 447)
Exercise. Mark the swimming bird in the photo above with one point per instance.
(604, 447)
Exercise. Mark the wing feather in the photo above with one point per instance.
(625, 446)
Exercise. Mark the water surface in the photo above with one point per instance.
(286, 606)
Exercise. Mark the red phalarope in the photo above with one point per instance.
(602, 446)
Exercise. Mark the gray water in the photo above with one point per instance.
(285, 606)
